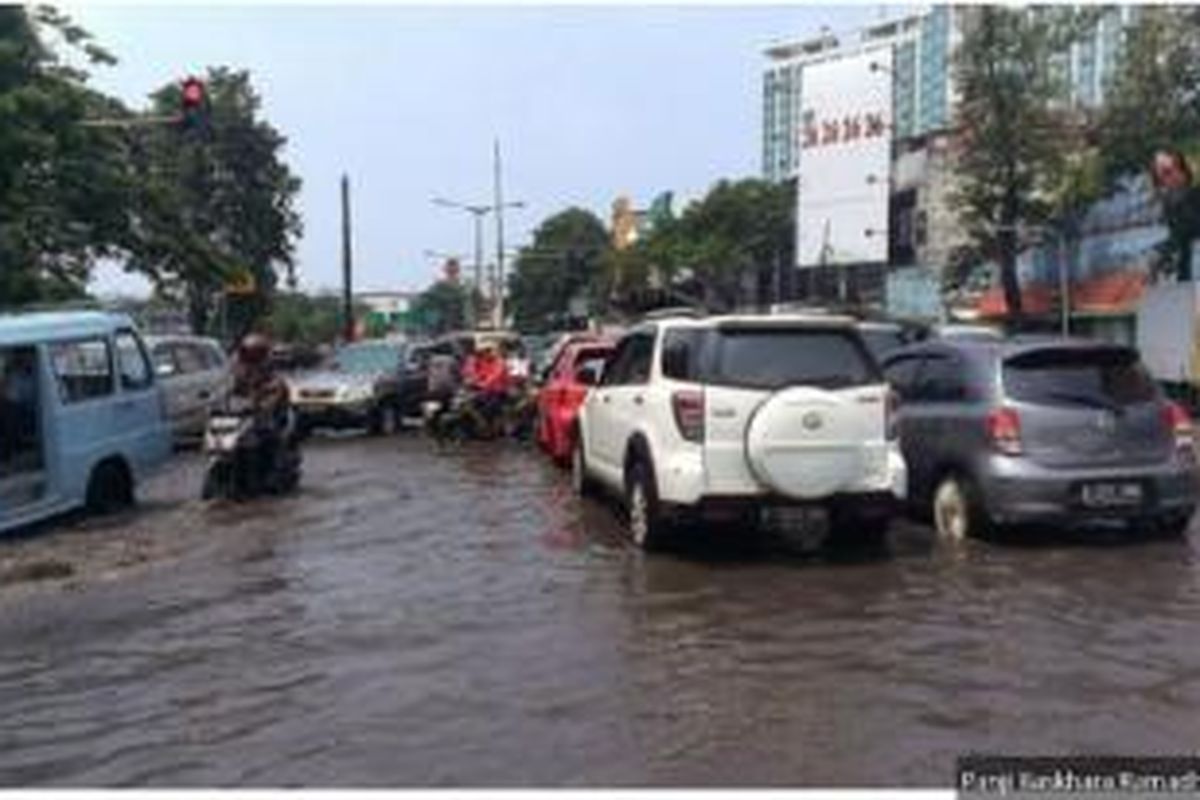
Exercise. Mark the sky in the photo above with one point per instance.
(588, 103)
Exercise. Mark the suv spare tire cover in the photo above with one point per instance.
(805, 442)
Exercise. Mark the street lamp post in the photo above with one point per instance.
(477, 212)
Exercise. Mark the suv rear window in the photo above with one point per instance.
(1098, 377)
(772, 358)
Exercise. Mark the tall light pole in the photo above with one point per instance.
(478, 212)
(347, 268)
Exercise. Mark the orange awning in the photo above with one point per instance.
(1036, 298)
(1117, 292)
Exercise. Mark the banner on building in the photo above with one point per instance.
(845, 156)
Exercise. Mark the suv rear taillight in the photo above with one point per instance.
(890, 404)
(1180, 425)
(688, 405)
(1004, 430)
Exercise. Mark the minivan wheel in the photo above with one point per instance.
(956, 512)
(110, 488)
(647, 527)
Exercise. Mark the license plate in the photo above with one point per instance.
(795, 518)
(1108, 495)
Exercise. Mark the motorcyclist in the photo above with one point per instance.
(256, 383)
(486, 373)
(442, 380)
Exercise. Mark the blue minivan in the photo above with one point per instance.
(82, 418)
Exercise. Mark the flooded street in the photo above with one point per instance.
(418, 619)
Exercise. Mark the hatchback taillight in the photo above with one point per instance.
(1004, 430)
(1180, 425)
(688, 405)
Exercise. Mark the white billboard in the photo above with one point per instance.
(845, 156)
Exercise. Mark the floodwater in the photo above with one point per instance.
(416, 619)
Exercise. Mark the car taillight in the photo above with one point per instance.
(891, 404)
(1004, 430)
(1180, 425)
(688, 405)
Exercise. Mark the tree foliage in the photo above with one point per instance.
(215, 203)
(1016, 129)
(444, 307)
(564, 263)
(64, 187)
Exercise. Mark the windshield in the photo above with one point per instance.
(776, 358)
(1101, 377)
(366, 358)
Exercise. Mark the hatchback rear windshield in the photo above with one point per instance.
(773, 358)
(1102, 377)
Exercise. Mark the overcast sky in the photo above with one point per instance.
(588, 103)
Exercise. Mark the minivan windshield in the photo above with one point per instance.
(773, 358)
(1100, 377)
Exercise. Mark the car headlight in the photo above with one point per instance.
(356, 394)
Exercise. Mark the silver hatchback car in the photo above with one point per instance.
(1040, 430)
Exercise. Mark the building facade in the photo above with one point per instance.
(923, 229)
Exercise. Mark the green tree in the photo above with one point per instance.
(1017, 129)
(443, 307)
(64, 188)
(298, 318)
(1153, 100)
(565, 263)
(215, 203)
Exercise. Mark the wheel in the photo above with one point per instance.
(110, 488)
(647, 527)
(957, 511)
(1174, 526)
(580, 481)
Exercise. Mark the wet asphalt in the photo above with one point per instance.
(425, 618)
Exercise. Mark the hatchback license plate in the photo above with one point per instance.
(1107, 495)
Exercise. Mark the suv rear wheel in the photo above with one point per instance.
(957, 511)
(580, 481)
(647, 527)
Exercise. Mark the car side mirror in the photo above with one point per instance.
(589, 374)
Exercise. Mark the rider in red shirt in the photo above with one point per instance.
(487, 373)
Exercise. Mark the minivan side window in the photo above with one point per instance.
(83, 369)
(135, 366)
(681, 354)
(618, 365)
(641, 358)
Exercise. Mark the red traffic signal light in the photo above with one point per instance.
(193, 94)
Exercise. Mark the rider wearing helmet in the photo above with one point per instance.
(256, 383)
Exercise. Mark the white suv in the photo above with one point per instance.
(742, 417)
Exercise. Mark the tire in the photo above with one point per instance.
(580, 482)
(110, 488)
(957, 510)
(647, 528)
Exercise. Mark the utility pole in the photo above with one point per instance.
(498, 303)
(347, 265)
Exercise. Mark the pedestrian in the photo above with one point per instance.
(1176, 186)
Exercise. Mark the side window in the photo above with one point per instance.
(135, 366)
(212, 356)
(943, 380)
(641, 358)
(164, 360)
(681, 354)
(618, 365)
(83, 369)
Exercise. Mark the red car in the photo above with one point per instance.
(559, 399)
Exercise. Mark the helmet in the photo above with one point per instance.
(254, 349)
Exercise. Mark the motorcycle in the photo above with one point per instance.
(234, 448)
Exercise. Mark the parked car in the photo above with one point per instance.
(83, 417)
(195, 375)
(1040, 430)
(744, 417)
(562, 394)
(359, 387)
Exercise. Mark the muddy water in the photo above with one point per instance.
(415, 619)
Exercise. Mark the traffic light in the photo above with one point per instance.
(193, 103)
